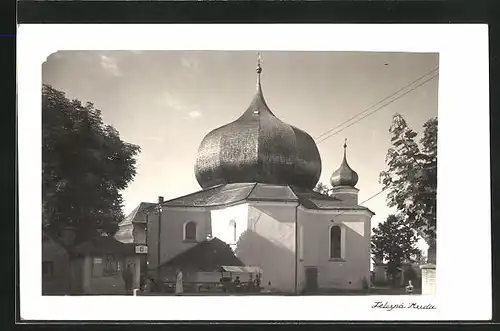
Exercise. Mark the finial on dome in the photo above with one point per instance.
(344, 175)
(259, 61)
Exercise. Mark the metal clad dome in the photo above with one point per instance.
(344, 175)
(258, 147)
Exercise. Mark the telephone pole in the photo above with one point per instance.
(158, 255)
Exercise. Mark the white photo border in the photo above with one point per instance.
(464, 247)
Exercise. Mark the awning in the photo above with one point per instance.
(245, 269)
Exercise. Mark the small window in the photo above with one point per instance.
(190, 231)
(47, 269)
(335, 242)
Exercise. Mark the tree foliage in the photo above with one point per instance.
(323, 189)
(394, 242)
(85, 165)
(411, 176)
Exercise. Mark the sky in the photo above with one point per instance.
(167, 101)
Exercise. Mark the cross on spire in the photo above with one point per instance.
(345, 143)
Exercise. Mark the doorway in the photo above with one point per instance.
(311, 279)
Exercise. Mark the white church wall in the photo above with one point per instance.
(229, 223)
(172, 240)
(269, 242)
(301, 279)
(347, 272)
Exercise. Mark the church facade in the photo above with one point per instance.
(257, 176)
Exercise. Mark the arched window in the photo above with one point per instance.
(190, 231)
(335, 242)
(232, 225)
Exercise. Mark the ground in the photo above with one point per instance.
(373, 291)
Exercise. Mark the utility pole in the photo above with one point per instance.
(146, 228)
(160, 201)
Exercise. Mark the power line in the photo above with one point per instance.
(380, 192)
(375, 104)
(377, 109)
(322, 136)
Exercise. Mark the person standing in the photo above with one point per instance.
(179, 286)
(128, 277)
(150, 285)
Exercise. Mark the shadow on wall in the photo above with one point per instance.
(276, 262)
(355, 270)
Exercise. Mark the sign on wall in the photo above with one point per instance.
(141, 249)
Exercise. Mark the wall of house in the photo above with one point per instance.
(428, 279)
(269, 242)
(112, 284)
(172, 240)
(58, 280)
(380, 273)
(139, 233)
(345, 273)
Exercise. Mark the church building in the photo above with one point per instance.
(257, 176)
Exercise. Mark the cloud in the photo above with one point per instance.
(110, 64)
(168, 100)
(194, 114)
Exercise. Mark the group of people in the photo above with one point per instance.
(255, 283)
(150, 284)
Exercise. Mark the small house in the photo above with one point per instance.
(55, 266)
(102, 260)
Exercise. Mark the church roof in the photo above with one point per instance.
(230, 194)
(207, 255)
(258, 147)
(136, 216)
(220, 195)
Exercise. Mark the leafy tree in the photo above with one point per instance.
(411, 178)
(85, 164)
(394, 242)
(322, 189)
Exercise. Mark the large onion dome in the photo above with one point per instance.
(344, 175)
(258, 147)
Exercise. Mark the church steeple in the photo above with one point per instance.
(258, 103)
(258, 148)
(259, 68)
(344, 175)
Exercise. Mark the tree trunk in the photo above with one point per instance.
(431, 252)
